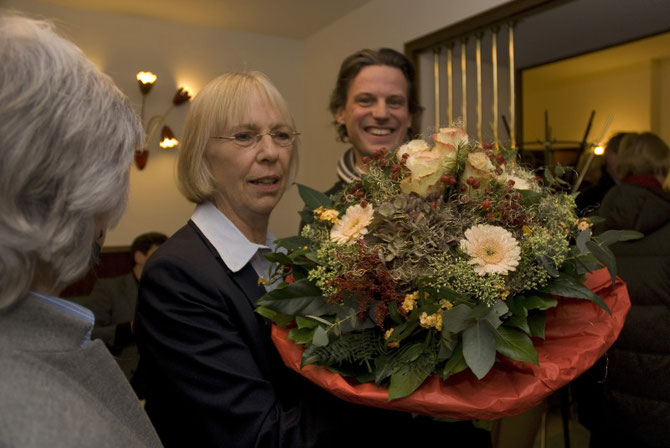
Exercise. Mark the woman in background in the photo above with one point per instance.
(634, 409)
(67, 137)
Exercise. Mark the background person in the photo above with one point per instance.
(374, 105)
(633, 408)
(67, 137)
(114, 301)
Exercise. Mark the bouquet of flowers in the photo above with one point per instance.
(440, 259)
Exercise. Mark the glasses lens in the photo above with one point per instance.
(244, 138)
(282, 138)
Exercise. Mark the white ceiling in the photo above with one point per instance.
(288, 18)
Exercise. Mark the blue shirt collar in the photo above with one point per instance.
(70, 308)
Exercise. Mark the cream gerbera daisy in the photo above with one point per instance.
(352, 225)
(492, 248)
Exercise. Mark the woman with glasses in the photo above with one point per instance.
(215, 378)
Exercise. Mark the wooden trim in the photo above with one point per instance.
(507, 11)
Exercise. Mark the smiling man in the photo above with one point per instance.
(374, 105)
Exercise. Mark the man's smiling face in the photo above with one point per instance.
(376, 114)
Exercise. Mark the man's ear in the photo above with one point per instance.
(339, 116)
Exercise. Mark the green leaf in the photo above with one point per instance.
(605, 256)
(456, 319)
(515, 344)
(447, 293)
(582, 238)
(519, 321)
(493, 315)
(314, 199)
(586, 263)
(614, 236)
(455, 364)
(537, 321)
(282, 320)
(405, 381)
(538, 303)
(529, 197)
(567, 286)
(320, 338)
(394, 314)
(349, 320)
(300, 297)
(301, 335)
(278, 257)
(293, 243)
(416, 365)
(479, 348)
(306, 215)
(305, 322)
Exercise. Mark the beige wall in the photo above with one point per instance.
(303, 70)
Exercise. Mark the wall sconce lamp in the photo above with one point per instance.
(146, 81)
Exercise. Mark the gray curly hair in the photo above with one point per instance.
(67, 137)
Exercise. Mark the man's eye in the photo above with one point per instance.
(396, 102)
(364, 101)
(243, 137)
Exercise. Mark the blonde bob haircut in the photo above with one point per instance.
(222, 104)
(643, 153)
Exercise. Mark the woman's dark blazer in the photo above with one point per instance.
(215, 378)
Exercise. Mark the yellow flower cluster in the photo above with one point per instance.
(410, 301)
(326, 214)
(583, 223)
(387, 335)
(431, 321)
(435, 320)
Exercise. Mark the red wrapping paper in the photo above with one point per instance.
(577, 334)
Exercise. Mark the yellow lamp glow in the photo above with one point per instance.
(599, 150)
(168, 139)
(167, 143)
(146, 80)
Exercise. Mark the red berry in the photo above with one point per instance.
(486, 204)
(434, 204)
(470, 180)
(463, 188)
(500, 159)
(364, 203)
(499, 171)
(444, 178)
(510, 182)
(405, 156)
(488, 146)
(452, 180)
(490, 217)
(366, 159)
(476, 184)
(488, 190)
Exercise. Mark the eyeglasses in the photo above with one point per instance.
(247, 139)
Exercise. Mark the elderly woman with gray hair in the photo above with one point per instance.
(67, 137)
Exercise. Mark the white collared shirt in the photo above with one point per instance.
(233, 247)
